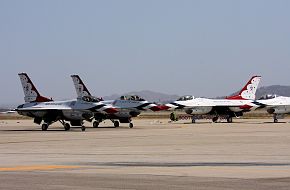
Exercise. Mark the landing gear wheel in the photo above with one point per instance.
(229, 119)
(44, 127)
(192, 120)
(96, 124)
(131, 125)
(66, 126)
(215, 119)
(83, 128)
(275, 118)
(116, 124)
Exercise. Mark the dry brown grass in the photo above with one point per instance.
(12, 116)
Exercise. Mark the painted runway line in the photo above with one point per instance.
(37, 167)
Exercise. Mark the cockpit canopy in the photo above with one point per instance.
(91, 99)
(185, 98)
(268, 96)
(131, 97)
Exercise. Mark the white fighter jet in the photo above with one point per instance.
(46, 111)
(230, 107)
(124, 108)
(276, 105)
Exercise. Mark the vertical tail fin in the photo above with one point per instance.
(31, 94)
(249, 90)
(80, 87)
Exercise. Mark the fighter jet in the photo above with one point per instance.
(46, 111)
(276, 105)
(233, 106)
(125, 108)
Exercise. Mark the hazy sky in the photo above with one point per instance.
(204, 48)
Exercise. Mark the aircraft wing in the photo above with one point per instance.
(42, 108)
(8, 112)
(200, 106)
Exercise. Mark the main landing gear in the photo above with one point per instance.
(131, 125)
(229, 119)
(44, 127)
(275, 117)
(66, 126)
(215, 119)
(96, 124)
(116, 124)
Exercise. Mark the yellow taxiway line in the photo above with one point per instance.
(38, 167)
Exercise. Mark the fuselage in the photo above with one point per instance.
(275, 105)
(70, 109)
(79, 109)
(196, 106)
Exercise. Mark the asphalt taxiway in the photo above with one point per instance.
(155, 154)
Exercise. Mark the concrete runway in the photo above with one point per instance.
(155, 154)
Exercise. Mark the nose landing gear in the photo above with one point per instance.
(44, 127)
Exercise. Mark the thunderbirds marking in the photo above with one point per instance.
(232, 106)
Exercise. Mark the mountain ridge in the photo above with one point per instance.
(159, 97)
(152, 96)
(148, 95)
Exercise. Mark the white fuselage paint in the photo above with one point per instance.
(279, 104)
(205, 105)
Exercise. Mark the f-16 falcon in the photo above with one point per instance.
(276, 105)
(230, 107)
(123, 109)
(46, 111)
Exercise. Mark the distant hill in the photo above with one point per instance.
(274, 89)
(164, 98)
(147, 95)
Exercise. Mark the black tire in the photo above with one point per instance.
(131, 125)
(44, 127)
(215, 119)
(96, 124)
(193, 121)
(66, 126)
(116, 124)
(229, 119)
(83, 128)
